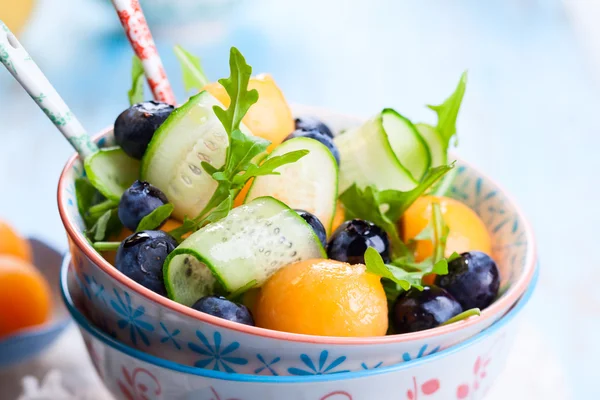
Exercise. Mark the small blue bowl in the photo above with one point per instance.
(28, 343)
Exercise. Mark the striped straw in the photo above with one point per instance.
(137, 30)
(20, 64)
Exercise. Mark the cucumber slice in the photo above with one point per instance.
(111, 171)
(408, 145)
(367, 158)
(252, 242)
(309, 184)
(190, 135)
(434, 142)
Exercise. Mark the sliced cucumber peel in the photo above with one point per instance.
(253, 242)
(309, 184)
(111, 171)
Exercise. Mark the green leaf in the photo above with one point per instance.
(221, 210)
(155, 218)
(101, 226)
(242, 150)
(440, 267)
(191, 70)
(236, 87)
(376, 266)
(136, 93)
(447, 112)
(364, 204)
(239, 292)
(269, 166)
(188, 225)
(453, 256)
(85, 193)
(463, 315)
(398, 202)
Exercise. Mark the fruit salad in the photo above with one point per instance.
(230, 206)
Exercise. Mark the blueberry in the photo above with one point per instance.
(314, 223)
(317, 135)
(352, 238)
(223, 308)
(135, 126)
(417, 310)
(473, 279)
(310, 123)
(141, 257)
(139, 200)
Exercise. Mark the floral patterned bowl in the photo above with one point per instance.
(156, 325)
(465, 371)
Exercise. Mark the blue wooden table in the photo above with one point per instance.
(529, 117)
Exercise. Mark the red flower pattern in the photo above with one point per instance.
(427, 388)
(134, 388)
(337, 395)
(135, 25)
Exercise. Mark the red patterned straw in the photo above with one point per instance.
(133, 21)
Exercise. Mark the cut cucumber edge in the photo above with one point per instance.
(380, 158)
(433, 139)
(417, 170)
(157, 138)
(331, 159)
(168, 284)
(100, 180)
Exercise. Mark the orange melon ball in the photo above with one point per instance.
(25, 297)
(325, 298)
(270, 118)
(467, 232)
(11, 243)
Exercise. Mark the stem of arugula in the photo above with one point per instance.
(463, 315)
(106, 246)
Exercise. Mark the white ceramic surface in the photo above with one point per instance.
(153, 324)
(465, 371)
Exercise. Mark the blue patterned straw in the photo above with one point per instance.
(20, 64)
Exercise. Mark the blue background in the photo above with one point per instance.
(529, 117)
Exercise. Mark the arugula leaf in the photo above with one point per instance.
(447, 112)
(101, 225)
(376, 266)
(364, 204)
(242, 153)
(242, 150)
(155, 218)
(453, 256)
(269, 166)
(85, 193)
(399, 201)
(193, 74)
(136, 93)
(236, 87)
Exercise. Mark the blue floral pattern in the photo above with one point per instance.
(267, 366)
(421, 353)
(321, 368)
(131, 318)
(220, 357)
(170, 336)
(364, 365)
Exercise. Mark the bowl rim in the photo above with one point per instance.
(506, 300)
(84, 324)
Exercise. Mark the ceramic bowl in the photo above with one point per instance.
(465, 371)
(154, 324)
(28, 343)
